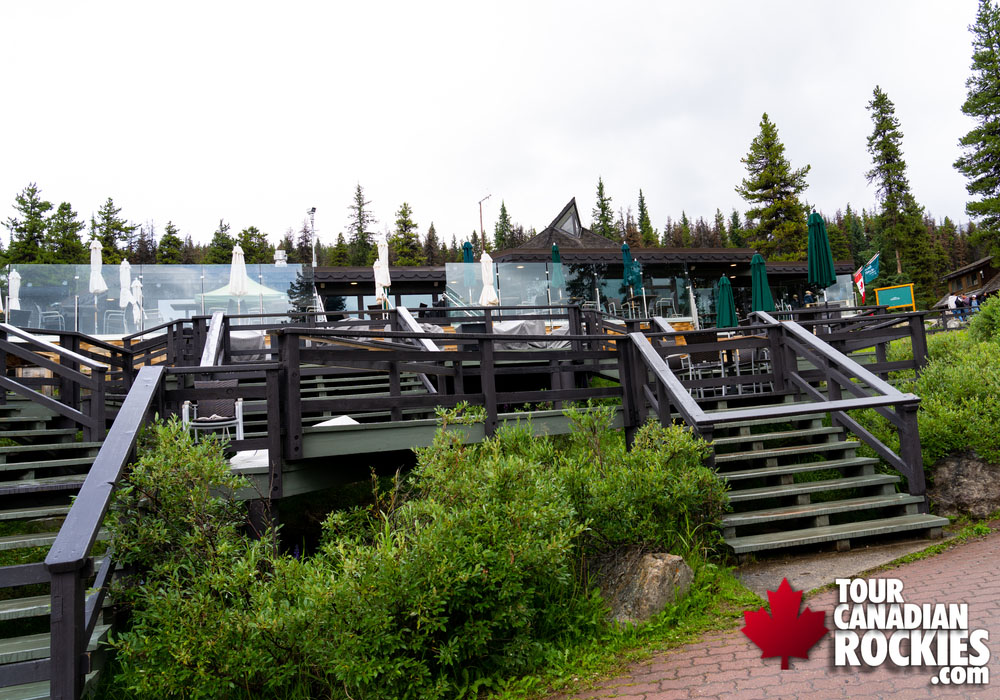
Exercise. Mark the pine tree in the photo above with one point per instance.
(980, 162)
(649, 238)
(719, 232)
(112, 231)
(772, 188)
(668, 233)
(27, 229)
(856, 239)
(256, 249)
(339, 255)
(888, 173)
(477, 246)
(404, 244)
(736, 233)
(432, 247)
(604, 216)
(288, 245)
(628, 230)
(502, 229)
(359, 229)
(304, 244)
(63, 243)
(682, 232)
(220, 249)
(144, 250)
(170, 250)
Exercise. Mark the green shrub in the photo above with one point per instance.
(469, 571)
(985, 324)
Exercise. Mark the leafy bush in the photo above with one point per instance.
(985, 324)
(468, 572)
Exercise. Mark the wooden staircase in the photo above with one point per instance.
(41, 468)
(795, 481)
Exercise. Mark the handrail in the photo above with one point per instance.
(213, 343)
(46, 346)
(406, 319)
(679, 396)
(68, 560)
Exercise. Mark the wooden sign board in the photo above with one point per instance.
(898, 297)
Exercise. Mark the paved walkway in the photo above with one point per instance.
(728, 665)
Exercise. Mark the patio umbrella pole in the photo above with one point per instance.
(645, 309)
(76, 311)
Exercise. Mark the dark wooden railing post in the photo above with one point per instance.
(291, 397)
(227, 354)
(67, 623)
(909, 452)
(3, 366)
(777, 353)
(274, 442)
(395, 390)
(626, 378)
(69, 390)
(98, 410)
(918, 337)
(488, 381)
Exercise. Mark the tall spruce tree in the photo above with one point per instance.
(63, 242)
(112, 231)
(27, 228)
(432, 247)
(980, 163)
(339, 255)
(256, 249)
(603, 215)
(888, 172)
(737, 236)
(220, 249)
(404, 243)
(648, 236)
(362, 250)
(503, 229)
(772, 188)
(170, 249)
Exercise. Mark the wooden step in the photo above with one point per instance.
(831, 533)
(12, 420)
(19, 608)
(46, 464)
(33, 513)
(49, 483)
(781, 435)
(14, 449)
(768, 421)
(45, 432)
(851, 482)
(36, 646)
(38, 539)
(762, 472)
(755, 517)
(838, 446)
(28, 691)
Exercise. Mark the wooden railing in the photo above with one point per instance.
(87, 411)
(76, 606)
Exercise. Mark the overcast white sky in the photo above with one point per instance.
(255, 112)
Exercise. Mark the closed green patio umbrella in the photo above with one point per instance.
(725, 306)
(821, 273)
(760, 291)
(468, 270)
(557, 281)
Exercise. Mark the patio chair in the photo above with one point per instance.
(216, 414)
(698, 364)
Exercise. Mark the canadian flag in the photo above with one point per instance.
(859, 279)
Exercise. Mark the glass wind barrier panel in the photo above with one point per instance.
(58, 297)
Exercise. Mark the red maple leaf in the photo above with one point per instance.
(784, 632)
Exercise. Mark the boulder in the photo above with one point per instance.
(638, 585)
(965, 484)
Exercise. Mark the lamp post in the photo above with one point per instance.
(482, 231)
(312, 232)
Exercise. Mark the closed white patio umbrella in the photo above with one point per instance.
(239, 282)
(488, 297)
(381, 268)
(97, 283)
(136, 294)
(125, 280)
(14, 291)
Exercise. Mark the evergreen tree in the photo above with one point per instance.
(339, 255)
(432, 247)
(404, 244)
(737, 238)
(256, 249)
(304, 243)
(980, 162)
(648, 236)
(220, 250)
(27, 229)
(719, 232)
(112, 231)
(359, 229)
(603, 215)
(628, 230)
(144, 251)
(888, 173)
(170, 250)
(454, 252)
(63, 243)
(477, 246)
(190, 253)
(288, 245)
(502, 229)
(856, 239)
(668, 233)
(682, 232)
(772, 188)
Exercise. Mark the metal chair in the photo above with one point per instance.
(116, 316)
(697, 364)
(50, 320)
(216, 414)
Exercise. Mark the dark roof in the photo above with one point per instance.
(567, 231)
(365, 274)
(969, 268)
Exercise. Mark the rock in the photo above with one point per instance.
(965, 484)
(637, 586)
